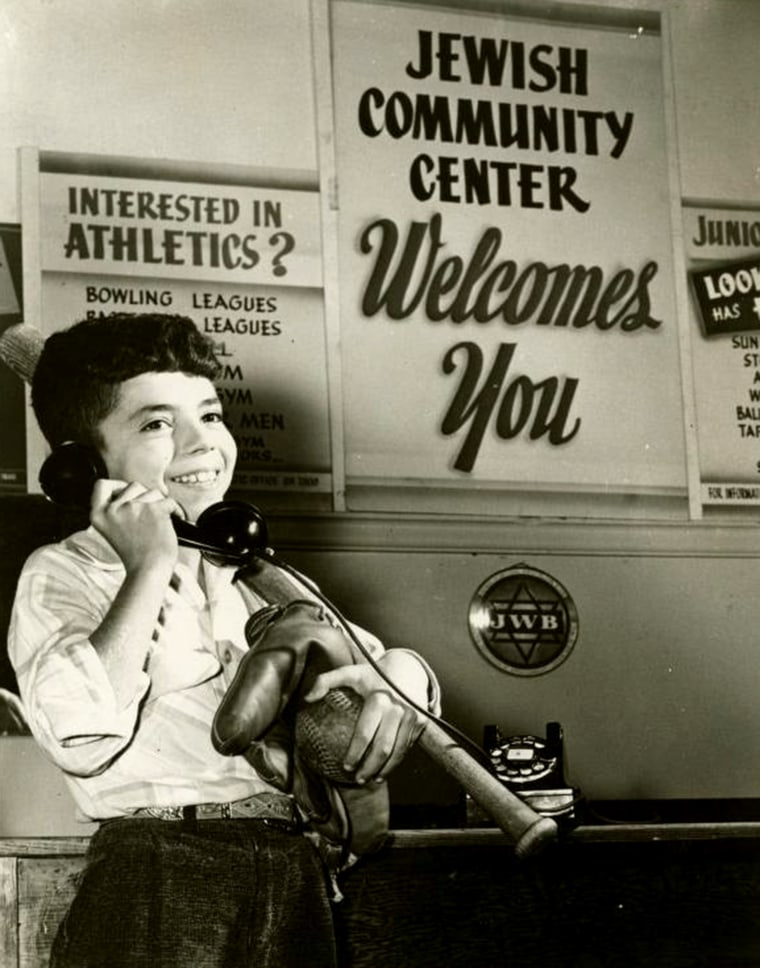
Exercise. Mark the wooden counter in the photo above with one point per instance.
(622, 895)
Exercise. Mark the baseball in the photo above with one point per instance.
(323, 732)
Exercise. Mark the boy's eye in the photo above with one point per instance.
(213, 416)
(158, 424)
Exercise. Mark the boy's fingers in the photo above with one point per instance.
(104, 491)
(361, 678)
(112, 493)
(380, 740)
(149, 497)
(115, 493)
(385, 729)
(132, 492)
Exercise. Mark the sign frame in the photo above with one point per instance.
(285, 430)
(406, 489)
(722, 245)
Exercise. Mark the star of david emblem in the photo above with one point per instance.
(523, 620)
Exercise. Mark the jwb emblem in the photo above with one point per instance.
(523, 621)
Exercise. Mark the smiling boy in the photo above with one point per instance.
(124, 644)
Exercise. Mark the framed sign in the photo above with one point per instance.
(508, 300)
(242, 259)
(723, 250)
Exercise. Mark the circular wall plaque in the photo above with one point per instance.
(523, 621)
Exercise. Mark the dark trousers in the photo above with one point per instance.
(198, 894)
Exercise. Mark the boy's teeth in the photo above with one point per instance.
(200, 477)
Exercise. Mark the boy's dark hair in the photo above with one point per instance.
(76, 381)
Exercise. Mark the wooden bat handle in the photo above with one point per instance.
(529, 830)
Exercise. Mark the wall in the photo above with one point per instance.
(657, 699)
(176, 80)
(717, 119)
(171, 80)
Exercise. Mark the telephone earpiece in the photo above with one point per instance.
(227, 533)
(230, 532)
(68, 474)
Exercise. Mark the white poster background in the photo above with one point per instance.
(181, 230)
(628, 396)
(282, 443)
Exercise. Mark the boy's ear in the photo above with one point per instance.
(69, 473)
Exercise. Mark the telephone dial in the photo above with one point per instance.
(532, 767)
(230, 532)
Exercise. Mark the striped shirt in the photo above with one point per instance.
(156, 749)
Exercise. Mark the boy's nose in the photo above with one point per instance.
(195, 438)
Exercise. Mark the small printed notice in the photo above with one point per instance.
(731, 494)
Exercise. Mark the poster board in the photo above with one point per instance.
(12, 404)
(242, 259)
(723, 251)
(509, 280)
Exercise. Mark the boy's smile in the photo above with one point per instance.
(167, 432)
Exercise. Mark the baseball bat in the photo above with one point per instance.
(323, 731)
(530, 831)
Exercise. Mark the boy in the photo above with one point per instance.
(124, 644)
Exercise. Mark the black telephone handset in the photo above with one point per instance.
(230, 532)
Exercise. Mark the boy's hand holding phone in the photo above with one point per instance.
(136, 521)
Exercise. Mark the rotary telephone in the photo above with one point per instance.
(532, 767)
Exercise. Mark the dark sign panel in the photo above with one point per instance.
(728, 297)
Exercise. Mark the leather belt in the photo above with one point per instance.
(262, 806)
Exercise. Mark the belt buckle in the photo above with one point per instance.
(208, 811)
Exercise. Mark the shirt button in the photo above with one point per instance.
(227, 656)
